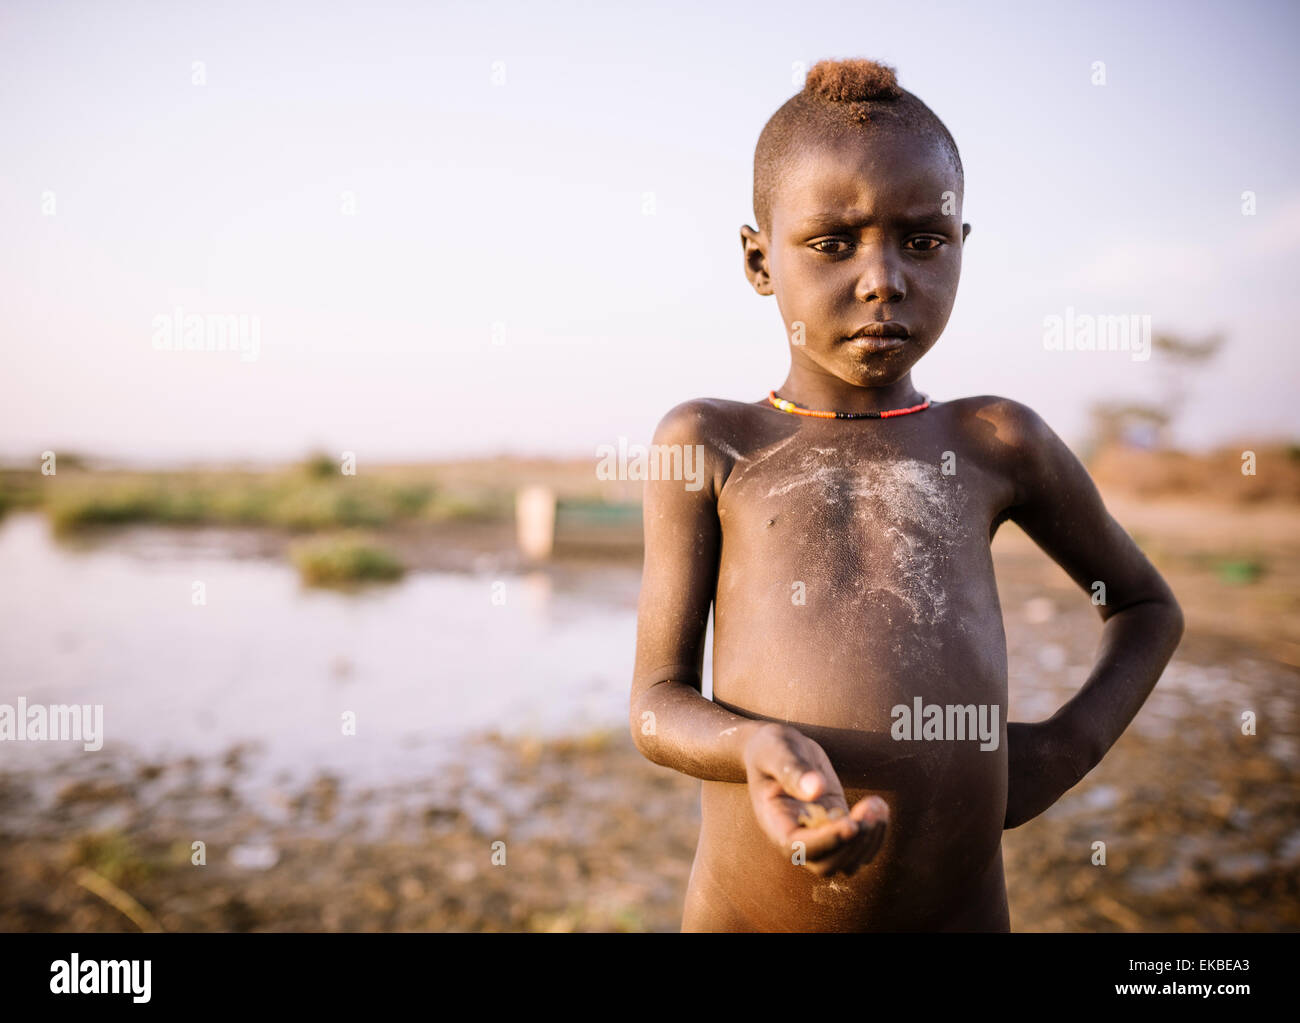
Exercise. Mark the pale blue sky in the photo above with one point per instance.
(522, 204)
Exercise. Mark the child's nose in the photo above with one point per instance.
(881, 279)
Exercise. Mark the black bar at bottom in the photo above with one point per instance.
(336, 971)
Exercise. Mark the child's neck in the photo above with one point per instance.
(826, 393)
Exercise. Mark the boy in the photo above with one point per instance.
(857, 766)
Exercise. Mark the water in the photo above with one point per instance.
(272, 665)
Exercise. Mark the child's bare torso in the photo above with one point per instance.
(855, 576)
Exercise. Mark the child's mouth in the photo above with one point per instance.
(881, 329)
(874, 343)
(879, 337)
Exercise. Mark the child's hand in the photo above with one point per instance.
(1042, 765)
(787, 772)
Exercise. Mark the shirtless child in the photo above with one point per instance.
(847, 561)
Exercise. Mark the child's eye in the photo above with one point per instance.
(930, 244)
(830, 241)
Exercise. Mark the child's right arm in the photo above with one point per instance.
(671, 721)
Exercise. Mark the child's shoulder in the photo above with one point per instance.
(710, 411)
(998, 423)
(722, 432)
(707, 421)
(1013, 439)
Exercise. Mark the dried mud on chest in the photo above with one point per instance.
(888, 528)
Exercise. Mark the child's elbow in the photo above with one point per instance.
(634, 729)
(1177, 623)
(1172, 621)
(640, 723)
(1171, 625)
(643, 723)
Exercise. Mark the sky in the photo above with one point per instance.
(460, 229)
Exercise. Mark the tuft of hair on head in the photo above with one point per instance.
(838, 96)
(851, 81)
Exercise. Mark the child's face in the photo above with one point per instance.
(859, 235)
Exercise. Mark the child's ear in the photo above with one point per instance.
(754, 245)
(965, 233)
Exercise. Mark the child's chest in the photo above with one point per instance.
(855, 522)
(809, 486)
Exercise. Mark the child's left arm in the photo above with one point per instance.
(1057, 504)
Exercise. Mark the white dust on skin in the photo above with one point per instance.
(908, 517)
(763, 455)
(727, 449)
(829, 892)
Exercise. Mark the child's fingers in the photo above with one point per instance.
(855, 852)
(871, 809)
(872, 815)
(797, 776)
(804, 782)
(826, 839)
(839, 860)
(873, 837)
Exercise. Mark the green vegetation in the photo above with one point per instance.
(313, 497)
(1242, 565)
(111, 854)
(19, 490)
(343, 560)
(309, 497)
(1240, 571)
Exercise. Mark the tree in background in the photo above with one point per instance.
(1150, 425)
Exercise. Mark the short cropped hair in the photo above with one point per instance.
(838, 97)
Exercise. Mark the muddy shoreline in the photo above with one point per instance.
(598, 839)
(1201, 822)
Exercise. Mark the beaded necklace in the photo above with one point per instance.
(791, 407)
